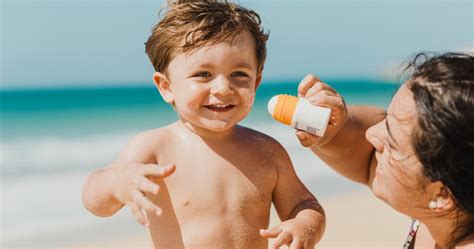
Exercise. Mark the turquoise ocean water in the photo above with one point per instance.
(86, 111)
(52, 138)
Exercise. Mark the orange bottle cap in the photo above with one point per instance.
(282, 107)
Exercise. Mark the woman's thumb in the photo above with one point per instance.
(306, 139)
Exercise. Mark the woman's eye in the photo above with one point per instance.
(239, 74)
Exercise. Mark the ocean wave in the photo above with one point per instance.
(50, 155)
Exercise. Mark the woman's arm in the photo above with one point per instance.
(348, 152)
(344, 146)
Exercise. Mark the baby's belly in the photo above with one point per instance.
(205, 231)
(213, 206)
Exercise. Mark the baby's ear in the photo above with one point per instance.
(164, 87)
(258, 81)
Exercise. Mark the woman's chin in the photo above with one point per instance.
(376, 189)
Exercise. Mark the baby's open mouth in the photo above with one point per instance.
(219, 107)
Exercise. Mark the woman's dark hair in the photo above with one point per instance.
(443, 89)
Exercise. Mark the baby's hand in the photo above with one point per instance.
(294, 233)
(321, 94)
(134, 181)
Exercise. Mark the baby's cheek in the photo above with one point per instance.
(247, 99)
(191, 102)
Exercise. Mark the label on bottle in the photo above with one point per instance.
(310, 118)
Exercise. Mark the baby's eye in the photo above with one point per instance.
(202, 75)
(239, 74)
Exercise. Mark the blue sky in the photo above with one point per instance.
(66, 43)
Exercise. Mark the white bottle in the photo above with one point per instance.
(299, 113)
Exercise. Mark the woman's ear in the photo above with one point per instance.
(441, 198)
(164, 87)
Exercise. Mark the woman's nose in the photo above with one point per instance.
(375, 136)
(221, 86)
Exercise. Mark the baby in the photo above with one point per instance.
(204, 181)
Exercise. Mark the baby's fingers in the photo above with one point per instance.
(296, 244)
(271, 232)
(145, 204)
(137, 212)
(283, 239)
(159, 171)
(145, 185)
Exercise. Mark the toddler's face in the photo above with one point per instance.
(214, 87)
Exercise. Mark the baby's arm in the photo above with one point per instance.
(344, 147)
(303, 218)
(125, 182)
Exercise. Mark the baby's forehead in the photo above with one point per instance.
(239, 52)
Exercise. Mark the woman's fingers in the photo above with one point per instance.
(306, 139)
(318, 87)
(137, 212)
(327, 100)
(306, 84)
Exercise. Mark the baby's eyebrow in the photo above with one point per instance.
(243, 64)
(203, 65)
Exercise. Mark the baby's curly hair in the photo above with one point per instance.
(191, 24)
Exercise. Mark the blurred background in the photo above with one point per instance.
(76, 86)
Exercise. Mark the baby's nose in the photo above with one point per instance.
(221, 86)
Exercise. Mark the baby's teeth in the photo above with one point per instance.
(220, 106)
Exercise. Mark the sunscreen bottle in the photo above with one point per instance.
(299, 113)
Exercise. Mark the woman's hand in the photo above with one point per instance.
(134, 181)
(321, 94)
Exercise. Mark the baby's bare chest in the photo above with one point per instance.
(209, 184)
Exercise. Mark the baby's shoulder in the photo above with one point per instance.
(151, 138)
(260, 141)
(143, 146)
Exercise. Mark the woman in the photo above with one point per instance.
(418, 156)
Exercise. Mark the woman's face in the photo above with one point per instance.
(398, 177)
